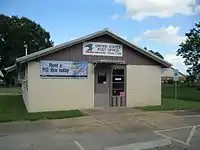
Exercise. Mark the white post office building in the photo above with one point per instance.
(97, 70)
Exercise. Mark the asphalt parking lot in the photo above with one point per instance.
(114, 129)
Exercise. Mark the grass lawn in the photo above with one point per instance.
(12, 108)
(171, 104)
(9, 89)
(183, 92)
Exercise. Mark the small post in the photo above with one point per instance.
(176, 78)
(26, 48)
(175, 91)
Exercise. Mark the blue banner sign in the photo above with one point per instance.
(63, 68)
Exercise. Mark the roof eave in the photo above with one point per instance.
(161, 61)
(85, 38)
(11, 68)
(27, 58)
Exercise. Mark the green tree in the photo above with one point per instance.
(155, 53)
(190, 51)
(15, 33)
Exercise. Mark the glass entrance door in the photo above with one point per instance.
(118, 87)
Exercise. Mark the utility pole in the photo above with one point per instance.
(26, 49)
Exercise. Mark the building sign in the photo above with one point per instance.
(102, 49)
(176, 74)
(63, 69)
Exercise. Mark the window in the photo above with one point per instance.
(118, 85)
(118, 72)
(102, 78)
(118, 82)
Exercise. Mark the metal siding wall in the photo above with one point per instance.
(74, 53)
(47, 94)
(143, 85)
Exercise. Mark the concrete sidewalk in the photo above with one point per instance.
(111, 130)
(44, 125)
(121, 121)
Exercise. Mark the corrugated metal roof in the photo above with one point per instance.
(88, 37)
(10, 68)
(169, 72)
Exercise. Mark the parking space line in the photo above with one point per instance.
(170, 138)
(145, 123)
(164, 130)
(143, 145)
(79, 145)
(99, 121)
(105, 122)
(190, 116)
(171, 129)
(191, 135)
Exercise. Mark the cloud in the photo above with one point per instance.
(197, 9)
(115, 16)
(168, 35)
(141, 9)
(137, 39)
(177, 61)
